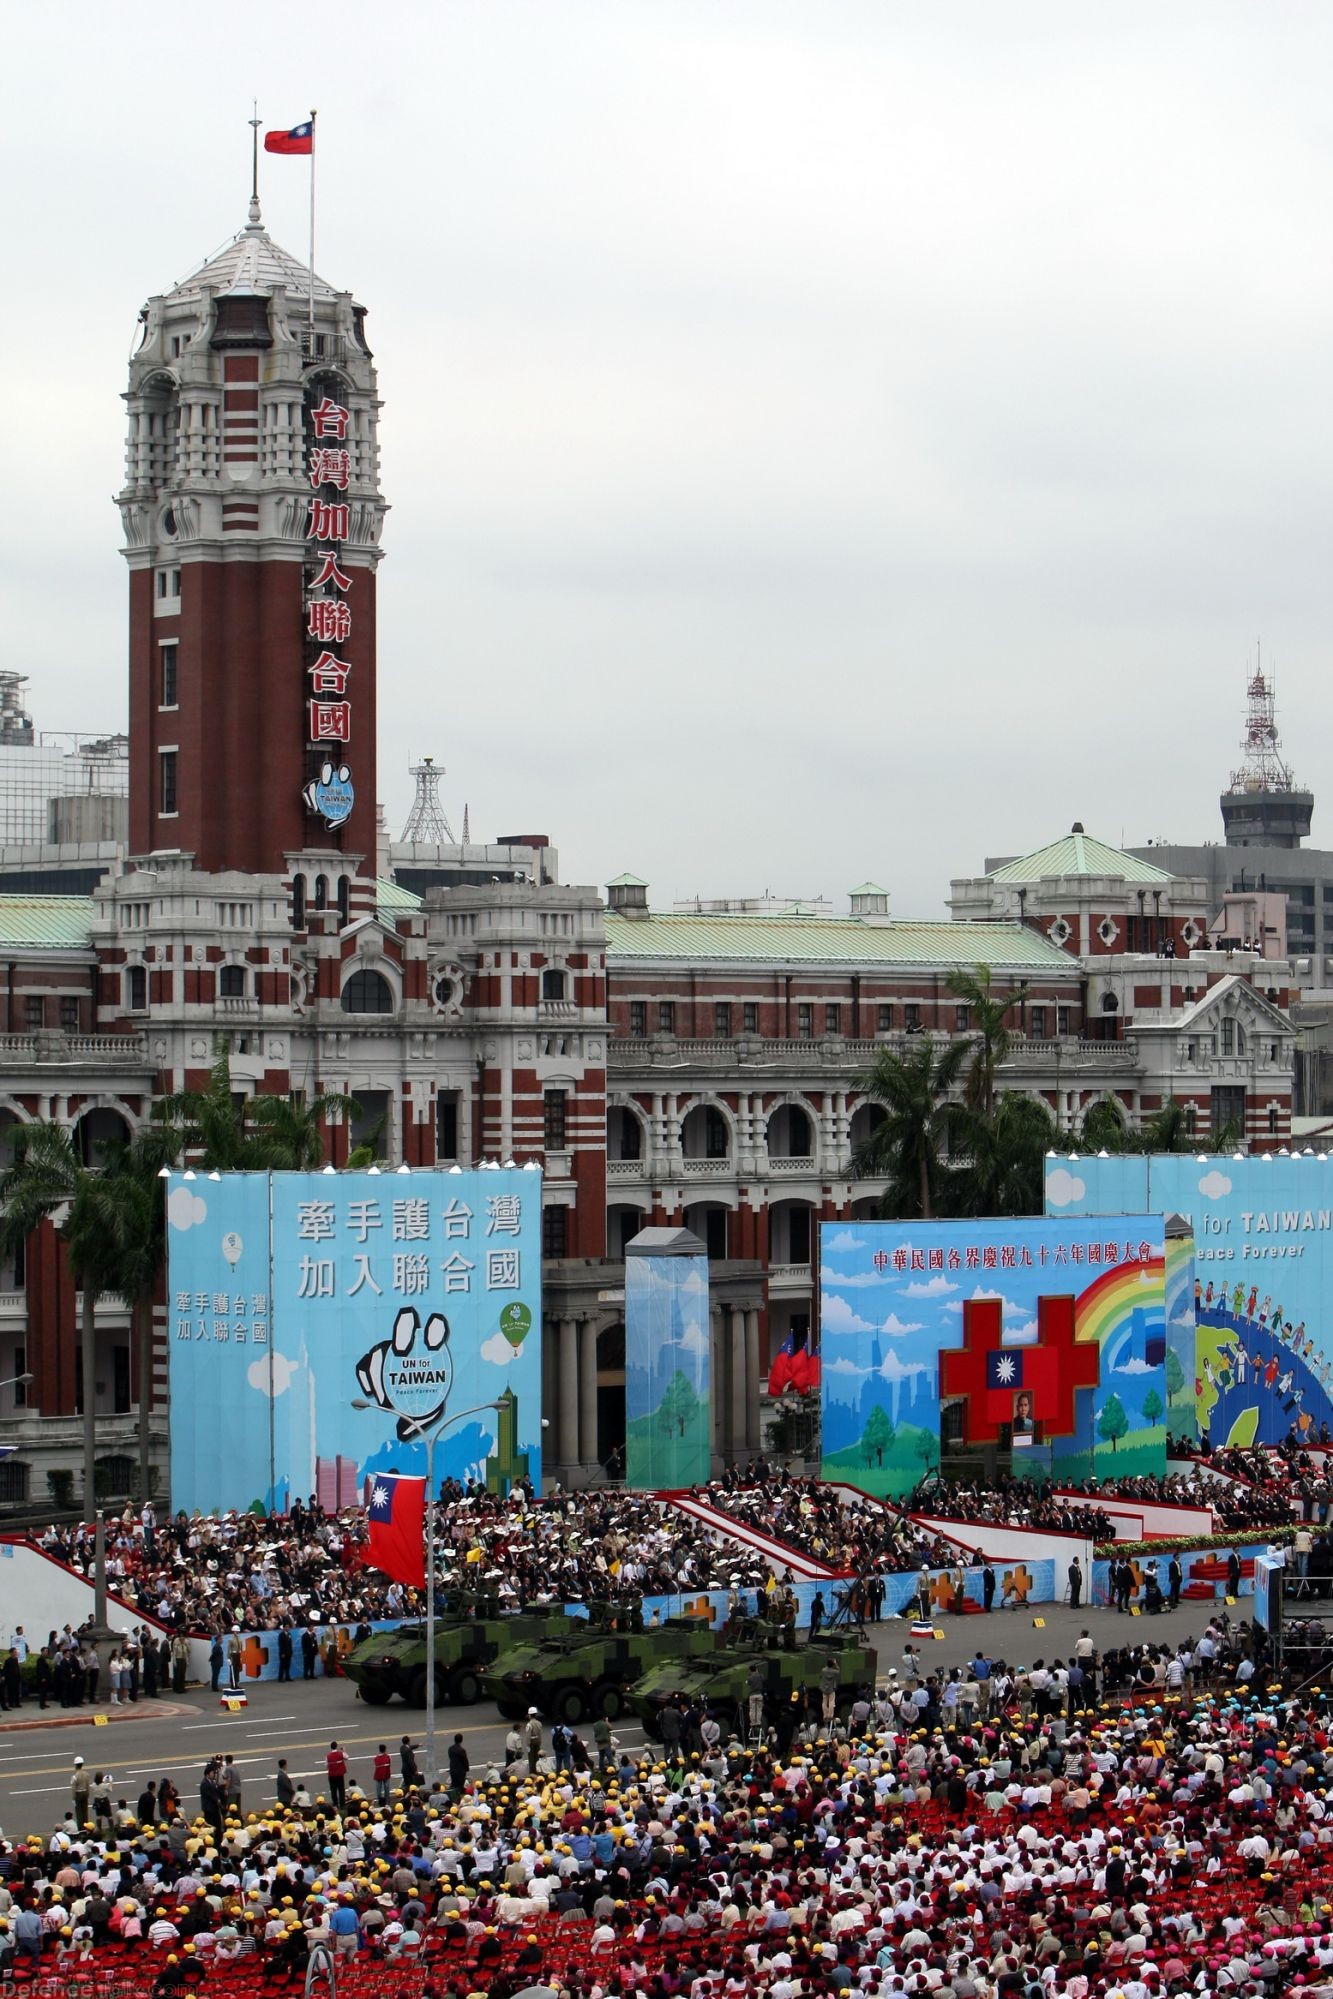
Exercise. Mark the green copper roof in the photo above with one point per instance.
(1078, 854)
(46, 922)
(829, 940)
(390, 900)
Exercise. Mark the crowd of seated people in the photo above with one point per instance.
(1009, 1502)
(1149, 1824)
(849, 1534)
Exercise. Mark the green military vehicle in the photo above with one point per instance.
(470, 1633)
(755, 1657)
(587, 1668)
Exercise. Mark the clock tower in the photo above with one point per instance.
(252, 517)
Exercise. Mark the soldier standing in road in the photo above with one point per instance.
(407, 1759)
(1075, 1583)
(80, 1789)
(754, 1683)
(335, 1764)
(533, 1737)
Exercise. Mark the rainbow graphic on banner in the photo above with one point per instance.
(1101, 1310)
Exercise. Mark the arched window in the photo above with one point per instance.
(321, 892)
(344, 898)
(553, 985)
(231, 982)
(367, 992)
(1228, 1037)
(298, 902)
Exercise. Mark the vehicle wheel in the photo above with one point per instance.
(375, 1696)
(609, 1700)
(464, 1687)
(510, 1710)
(568, 1705)
(416, 1688)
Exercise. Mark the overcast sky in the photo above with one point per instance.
(824, 440)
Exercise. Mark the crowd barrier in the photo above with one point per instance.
(1018, 1583)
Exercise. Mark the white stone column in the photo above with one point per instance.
(717, 1379)
(752, 1379)
(588, 1394)
(569, 1395)
(737, 1425)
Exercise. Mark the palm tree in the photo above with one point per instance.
(1107, 1129)
(910, 1142)
(989, 1029)
(254, 1134)
(48, 1179)
(135, 1180)
(1005, 1168)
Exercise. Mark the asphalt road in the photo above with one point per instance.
(299, 1720)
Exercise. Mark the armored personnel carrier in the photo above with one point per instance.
(754, 1656)
(587, 1669)
(471, 1633)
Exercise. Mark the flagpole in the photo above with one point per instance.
(313, 116)
(254, 158)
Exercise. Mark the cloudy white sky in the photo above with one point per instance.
(824, 439)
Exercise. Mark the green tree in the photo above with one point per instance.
(1152, 1408)
(1004, 1166)
(988, 1031)
(1113, 1423)
(233, 1134)
(1106, 1128)
(1175, 1375)
(97, 1223)
(1168, 1129)
(877, 1437)
(676, 1410)
(909, 1145)
(134, 1180)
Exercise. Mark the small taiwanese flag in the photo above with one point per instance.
(396, 1519)
(301, 139)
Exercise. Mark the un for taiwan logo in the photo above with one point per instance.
(410, 1373)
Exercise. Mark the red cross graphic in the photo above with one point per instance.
(254, 1657)
(1052, 1370)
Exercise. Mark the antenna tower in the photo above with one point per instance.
(1262, 768)
(426, 824)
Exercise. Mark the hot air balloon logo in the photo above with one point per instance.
(516, 1324)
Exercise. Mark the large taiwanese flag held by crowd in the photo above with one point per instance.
(396, 1519)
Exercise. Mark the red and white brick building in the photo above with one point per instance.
(664, 1068)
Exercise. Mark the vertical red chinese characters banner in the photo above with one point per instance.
(329, 794)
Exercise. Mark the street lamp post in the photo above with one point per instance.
(428, 1435)
(16, 1381)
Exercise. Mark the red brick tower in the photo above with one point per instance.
(252, 516)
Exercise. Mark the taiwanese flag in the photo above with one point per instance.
(301, 139)
(396, 1516)
(805, 1370)
(780, 1374)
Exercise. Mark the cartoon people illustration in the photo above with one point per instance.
(1236, 1300)
(1207, 1296)
(1251, 1301)
(1270, 1372)
(1242, 1361)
